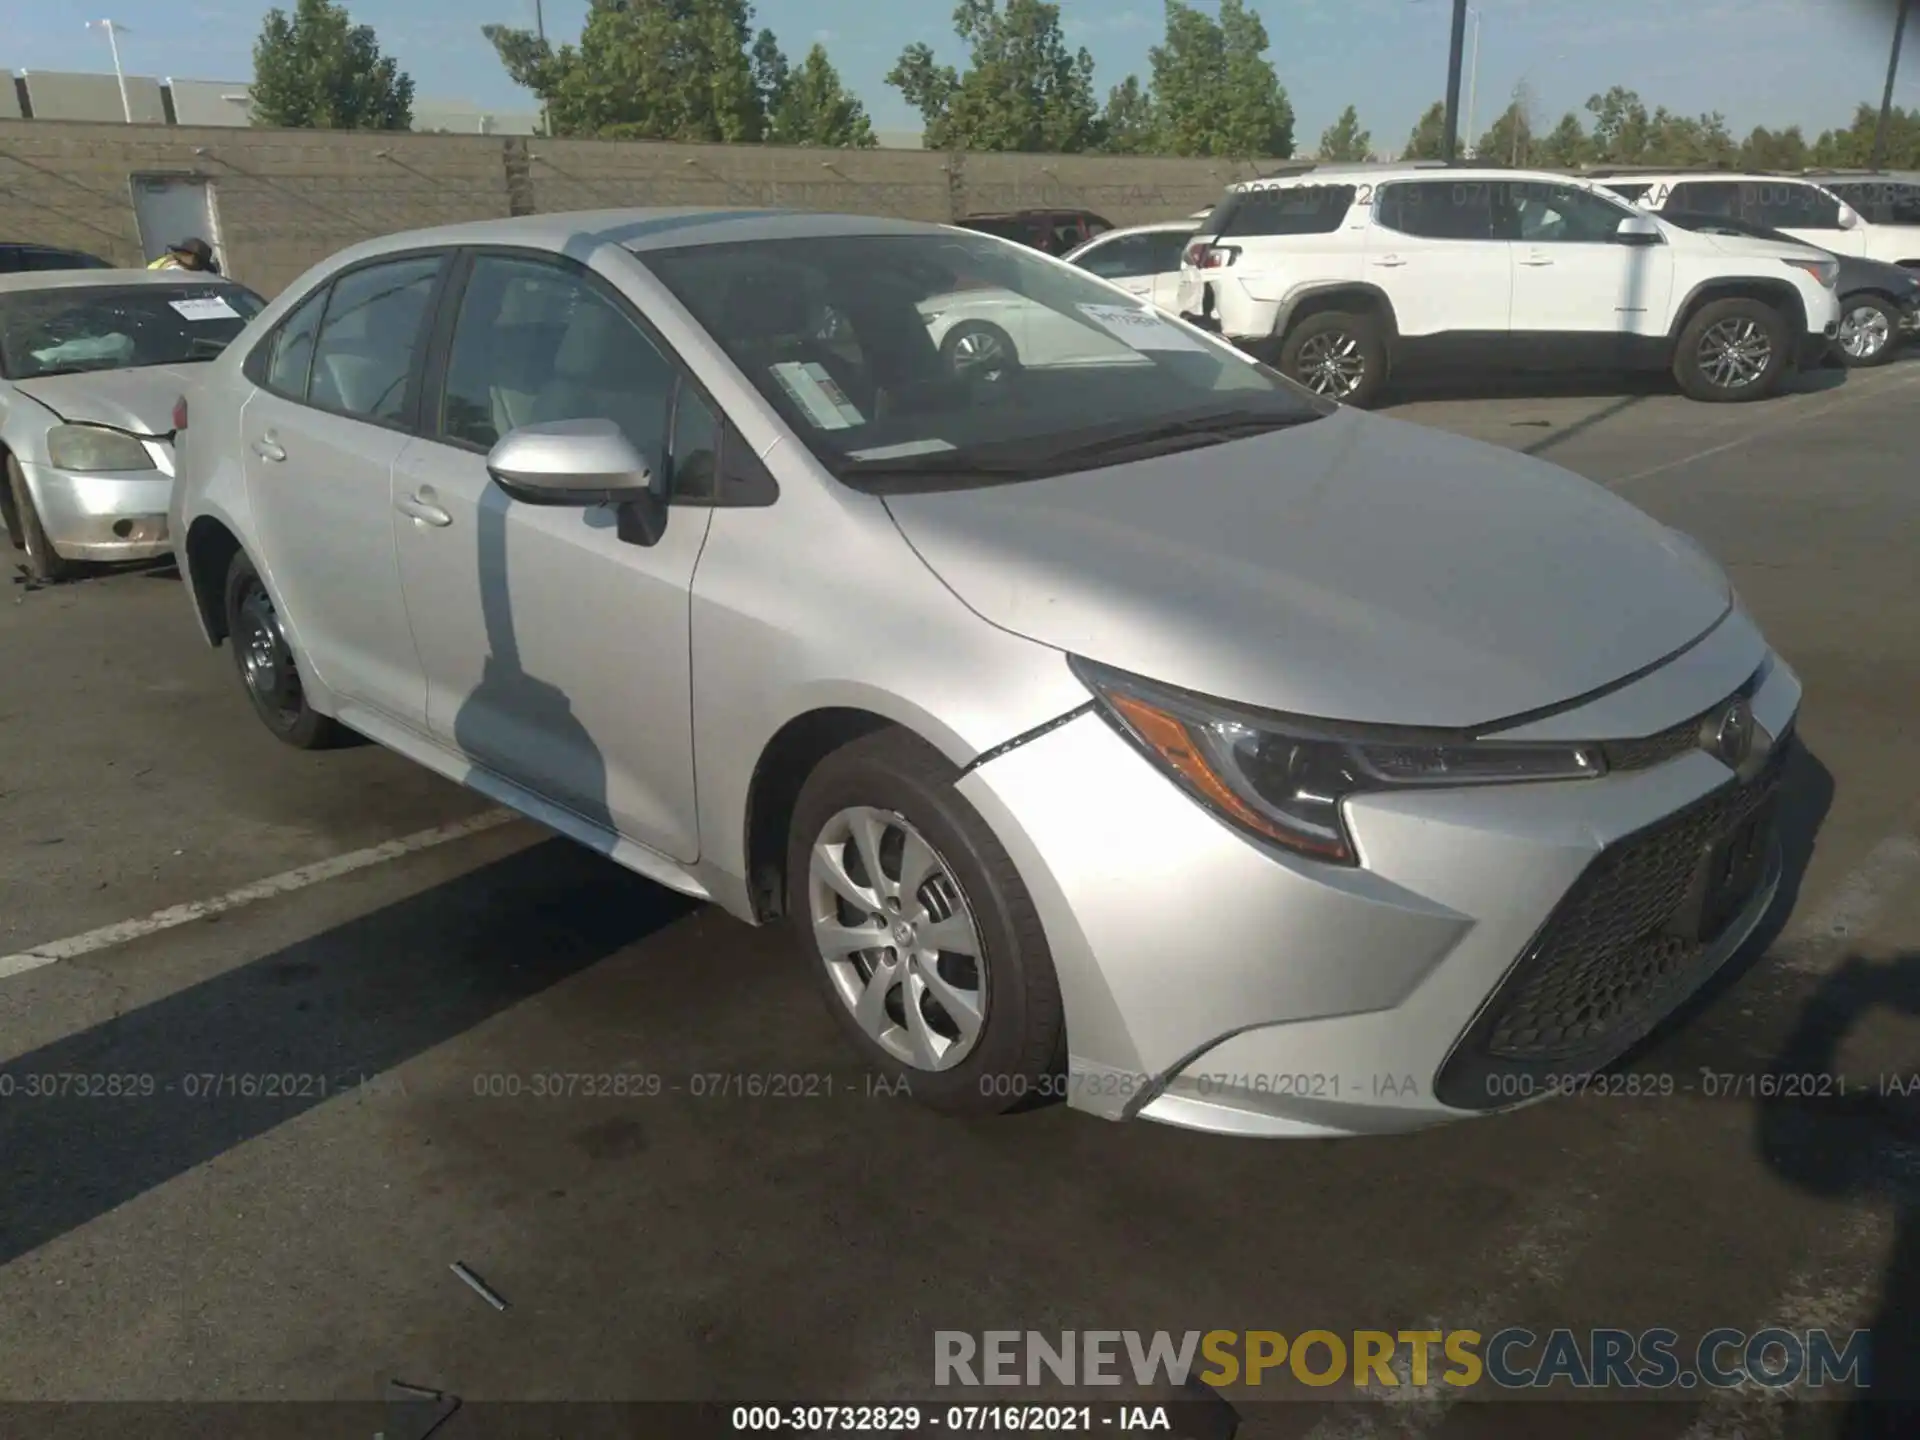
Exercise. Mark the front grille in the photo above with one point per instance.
(1606, 966)
(1650, 750)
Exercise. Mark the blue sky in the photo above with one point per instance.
(1771, 62)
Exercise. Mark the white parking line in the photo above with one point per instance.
(55, 951)
(1787, 417)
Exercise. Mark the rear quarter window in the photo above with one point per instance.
(1283, 210)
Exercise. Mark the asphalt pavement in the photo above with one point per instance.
(677, 1238)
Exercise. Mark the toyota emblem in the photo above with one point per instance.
(1730, 734)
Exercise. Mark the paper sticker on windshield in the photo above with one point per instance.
(815, 392)
(1142, 329)
(205, 307)
(900, 452)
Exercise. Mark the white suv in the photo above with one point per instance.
(1872, 217)
(1339, 275)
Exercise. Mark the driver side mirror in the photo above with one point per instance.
(1849, 218)
(1638, 230)
(581, 463)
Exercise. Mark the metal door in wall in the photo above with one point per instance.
(172, 208)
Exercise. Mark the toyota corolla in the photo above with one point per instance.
(1132, 727)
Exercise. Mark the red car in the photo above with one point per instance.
(1054, 231)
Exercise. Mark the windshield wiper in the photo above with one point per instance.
(1186, 434)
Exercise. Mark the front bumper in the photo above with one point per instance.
(1212, 984)
(103, 516)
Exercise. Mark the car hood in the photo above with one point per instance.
(1353, 568)
(139, 399)
(1753, 245)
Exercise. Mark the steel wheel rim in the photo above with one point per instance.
(1864, 332)
(902, 951)
(1735, 353)
(981, 351)
(266, 663)
(1332, 364)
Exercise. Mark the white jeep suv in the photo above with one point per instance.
(1339, 275)
(1857, 214)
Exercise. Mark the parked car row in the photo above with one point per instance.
(1342, 276)
(699, 537)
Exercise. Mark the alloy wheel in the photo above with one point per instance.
(1332, 364)
(1734, 353)
(898, 938)
(266, 662)
(979, 352)
(1864, 332)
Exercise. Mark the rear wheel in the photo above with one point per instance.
(266, 664)
(44, 563)
(1339, 355)
(920, 931)
(1869, 331)
(979, 350)
(1731, 350)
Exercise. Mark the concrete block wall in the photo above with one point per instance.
(289, 198)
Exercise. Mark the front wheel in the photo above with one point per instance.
(266, 664)
(1338, 355)
(1731, 350)
(1869, 331)
(920, 932)
(44, 564)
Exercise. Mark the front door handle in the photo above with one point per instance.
(267, 448)
(421, 510)
(1389, 261)
(1536, 259)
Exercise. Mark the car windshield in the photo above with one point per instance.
(64, 329)
(944, 358)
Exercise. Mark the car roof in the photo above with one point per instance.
(581, 232)
(1408, 170)
(93, 279)
(1157, 227)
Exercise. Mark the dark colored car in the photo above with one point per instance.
(1054, 231)
(16, 256)
(1879, 302)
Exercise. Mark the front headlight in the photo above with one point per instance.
(88, 447)
(1827, 272)
(1285, 780)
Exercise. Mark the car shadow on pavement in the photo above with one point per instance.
(1860, 1145)
(235, 1056)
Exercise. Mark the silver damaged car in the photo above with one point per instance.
(91, 365)
(1114, 721)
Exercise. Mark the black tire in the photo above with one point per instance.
(1887, 327)
(1020, 1049)
(272, 682)
(1741, 317)
(44, 563)
(1318, 349)
(969, 333)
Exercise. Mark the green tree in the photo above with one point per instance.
(1129, 125)
(1429, 138)
(1023, 89)
(1689, 140)
(317, 70)
(1214, 88)
(1509, 140)
(648, 70)
(812, 107)
(1622, 129)
(1565, 147)
(1853, 146)
(1766, 149)
(1344, 140)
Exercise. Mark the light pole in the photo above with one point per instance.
(540, 32)
(114, 30)
(1473, 84)
(1450, 141)
(1886, 102)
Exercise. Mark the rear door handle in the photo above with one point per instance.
(421, 510)
(267, 448)
(1389, 261)
(1537, 260)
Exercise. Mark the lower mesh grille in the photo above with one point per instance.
(1606, 966)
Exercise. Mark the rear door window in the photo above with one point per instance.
(1437, 209)
(1705, 197)
(363, 357)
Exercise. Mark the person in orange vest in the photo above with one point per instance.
(193, 253)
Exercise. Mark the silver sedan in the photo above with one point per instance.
(1135, 728)
(92, 364)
